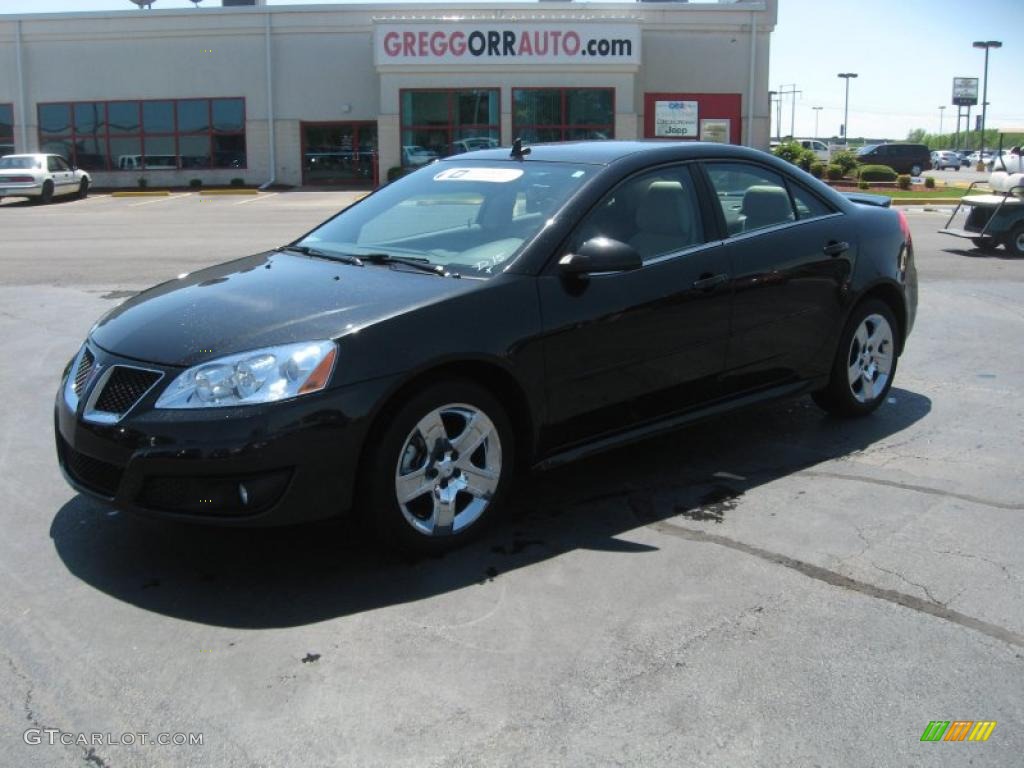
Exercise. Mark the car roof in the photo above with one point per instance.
(33, 154)
(605, 152)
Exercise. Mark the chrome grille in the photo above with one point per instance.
(84, 369)
(124, 387)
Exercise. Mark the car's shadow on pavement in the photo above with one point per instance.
(259, 578)
(977, 253)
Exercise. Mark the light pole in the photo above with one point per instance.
(846, 110)
(773, 96)
(817, 114)
(986, 44)
(942, 110)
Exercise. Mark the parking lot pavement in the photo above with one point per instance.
(772, 588)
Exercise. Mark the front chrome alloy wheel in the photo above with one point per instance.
(448, 470)
(871, 358)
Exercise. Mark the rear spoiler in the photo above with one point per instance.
(866, 198)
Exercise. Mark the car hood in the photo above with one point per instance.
(272, 298)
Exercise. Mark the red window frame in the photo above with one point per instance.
(564, 126)
(451, 126)
(8, 138)
(141, 134)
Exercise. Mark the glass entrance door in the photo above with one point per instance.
(339, 154)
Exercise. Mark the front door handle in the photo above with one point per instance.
(709, 282)
(835, 249)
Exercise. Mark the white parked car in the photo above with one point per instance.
(945, 158)
(416, 155)
(42, 177)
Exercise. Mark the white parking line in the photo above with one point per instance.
(261, 196)
(159, 200)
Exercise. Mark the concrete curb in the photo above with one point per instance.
(148, 193)
(926, 201)
(228, 191)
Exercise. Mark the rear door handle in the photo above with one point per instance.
(708, 282)
(835, 249)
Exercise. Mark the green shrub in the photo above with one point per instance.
(863, 185)
(397, 172)
(845, 159)
(195, 183)
(143, 182)
(834, 173)
(903, 181)
(929, 182)
(877, 173)
(793, 152)
(238, 182)
(817, 169)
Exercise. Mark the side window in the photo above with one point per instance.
(52, 165)
(61, 165)
(751, 197)
(656, 212)
(807, 205)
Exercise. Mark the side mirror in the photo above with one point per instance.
(600, 254)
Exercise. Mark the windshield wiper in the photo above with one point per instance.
(305, 249)
(416, 262)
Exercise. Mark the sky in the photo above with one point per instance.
(905, 53)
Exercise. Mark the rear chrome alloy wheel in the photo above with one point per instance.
(448, 470)
(871, 358)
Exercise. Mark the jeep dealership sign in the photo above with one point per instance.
(477, 43)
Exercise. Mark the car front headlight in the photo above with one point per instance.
(260, 376)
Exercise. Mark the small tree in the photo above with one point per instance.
(845, 159)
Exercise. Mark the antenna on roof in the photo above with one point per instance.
(518, 152)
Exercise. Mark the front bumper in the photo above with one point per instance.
(269, 464)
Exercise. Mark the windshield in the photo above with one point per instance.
(866, 149)
(471, 218)
(24, 163)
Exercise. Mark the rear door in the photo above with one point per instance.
(791, 253)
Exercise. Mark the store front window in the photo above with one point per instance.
(563, 114)
(166, 134)
(339, 154)
(438, 123)
(6, 129)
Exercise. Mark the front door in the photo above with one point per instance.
(626, 348)
(339, 154)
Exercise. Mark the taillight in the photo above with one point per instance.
(904, 225)
(18, 179)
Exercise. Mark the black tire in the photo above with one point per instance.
(47, 196)
(915, 170)
(839, 396)
(986, 245)
(377, 499)
(1015, 241)
(83, 189)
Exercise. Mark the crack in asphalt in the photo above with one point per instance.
(918, 488)
(88, 755)
(903, 578)
(643, 508)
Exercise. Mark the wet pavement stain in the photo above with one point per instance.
(517, 546)
(713, 505)
(118, 294)
(311, 658)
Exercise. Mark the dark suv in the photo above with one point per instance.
(902, 158)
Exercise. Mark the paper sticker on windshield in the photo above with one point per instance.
(493, 175)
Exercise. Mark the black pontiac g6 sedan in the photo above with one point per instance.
(491, 311)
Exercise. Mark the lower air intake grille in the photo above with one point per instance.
(84, 369)
(124, 387)
(96, 475)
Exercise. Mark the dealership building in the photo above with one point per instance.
(339, 94)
